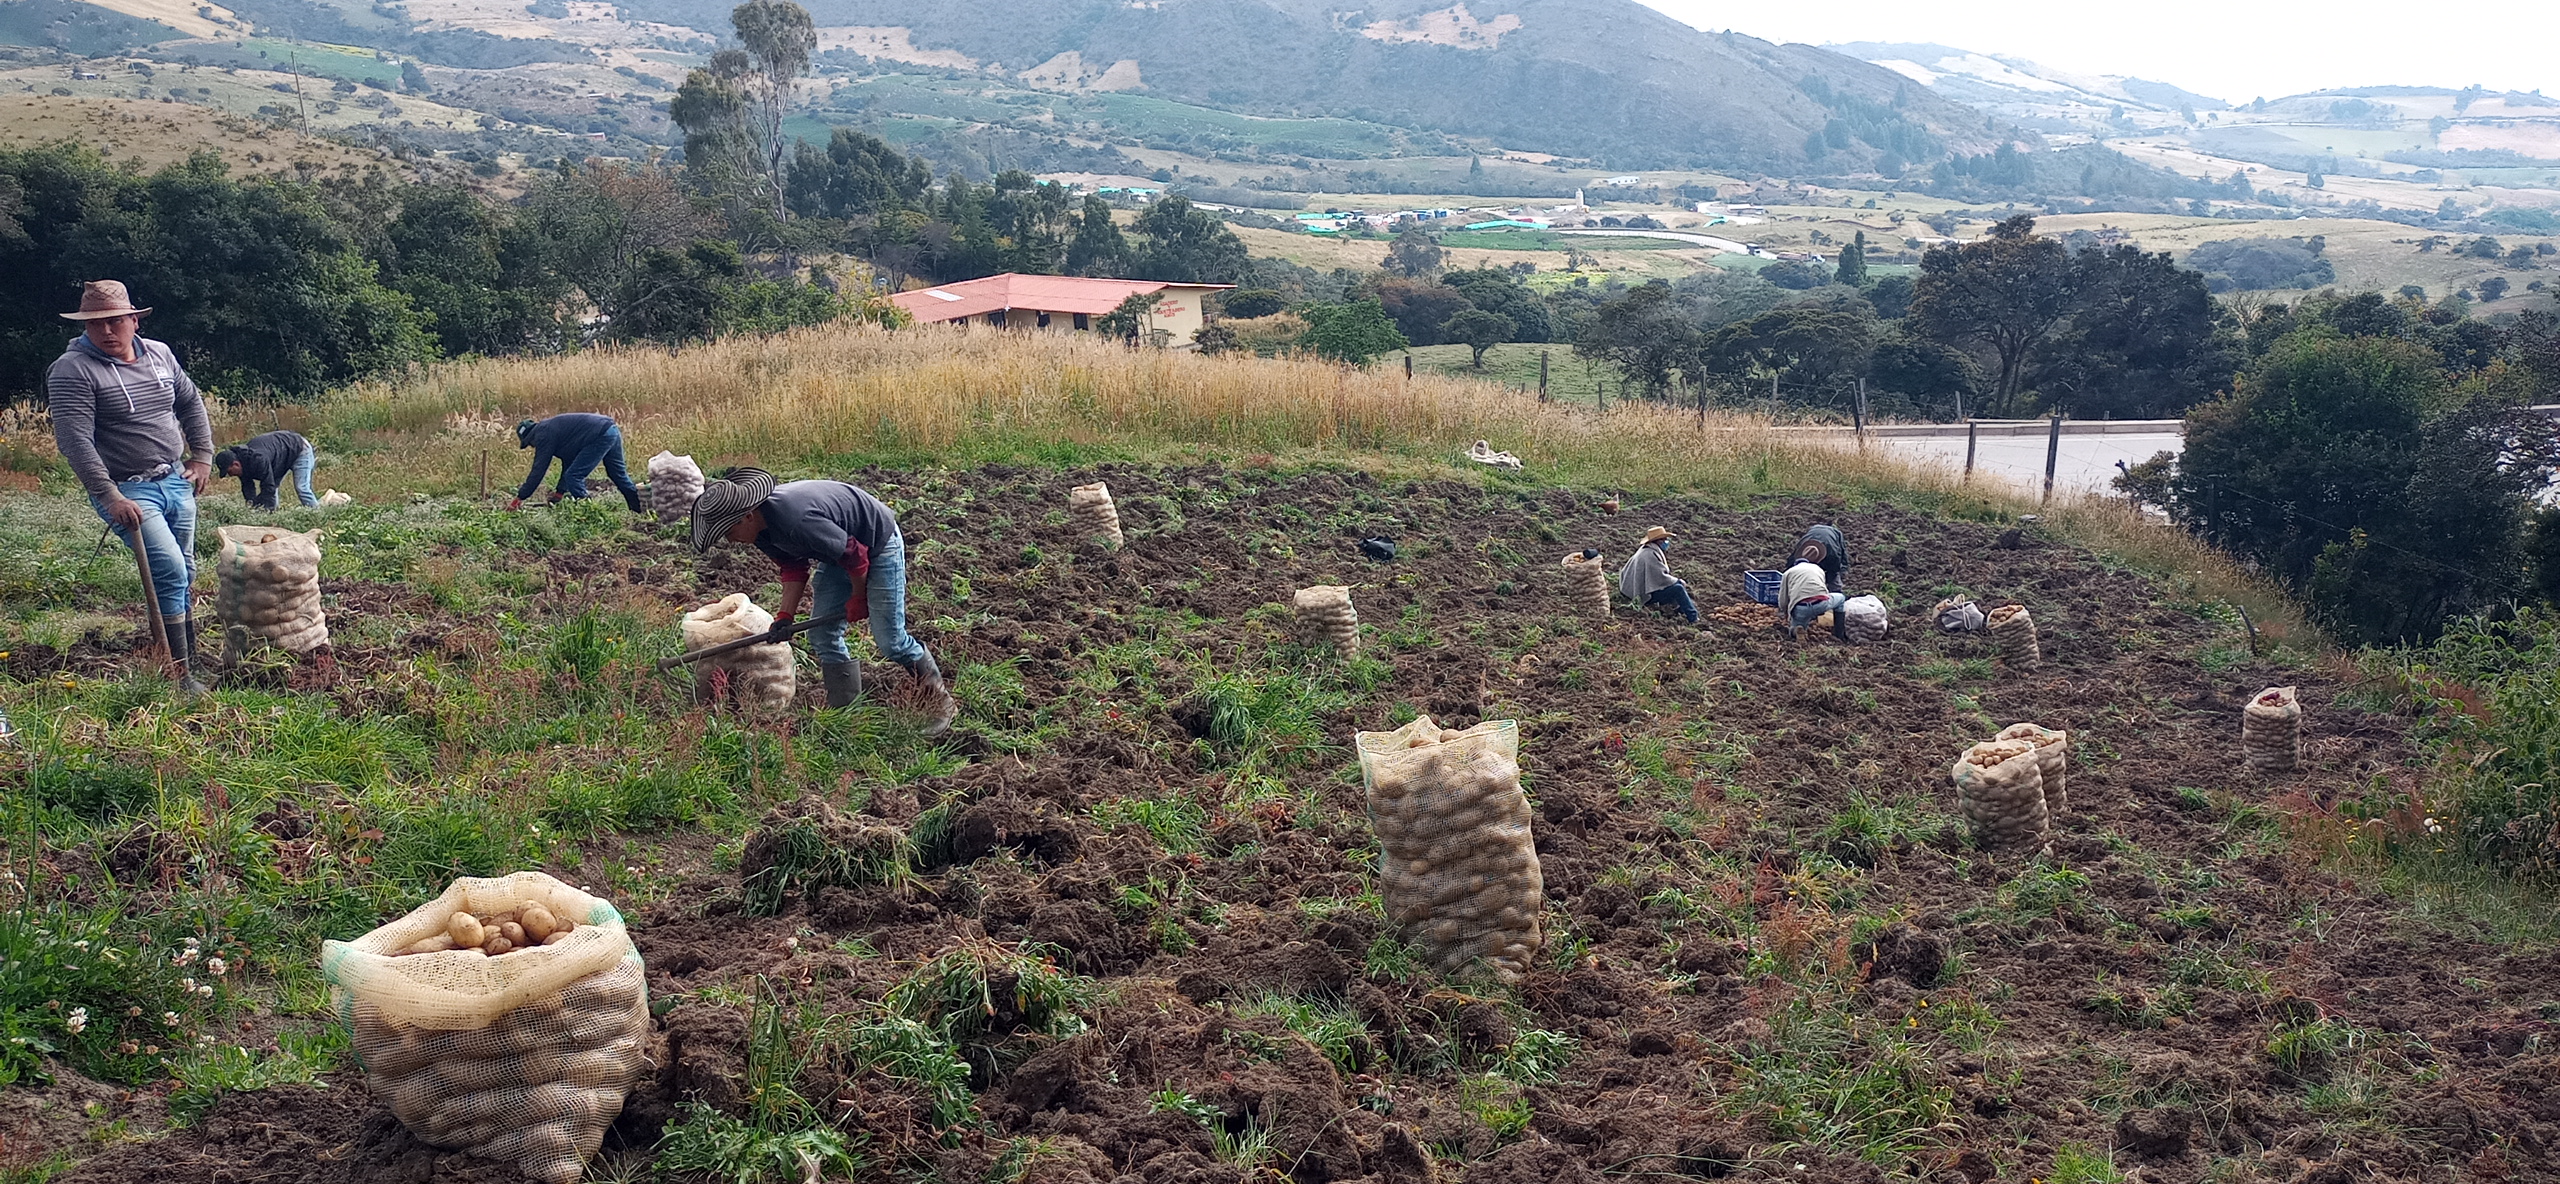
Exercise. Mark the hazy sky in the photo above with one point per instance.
(2233, 50)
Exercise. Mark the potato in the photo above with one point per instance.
(466, 930)
(559, 935)
(433, 945)
(496, 946)
(514, 933)
(537, 920)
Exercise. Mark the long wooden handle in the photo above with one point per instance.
(151, 598)
(797, 628)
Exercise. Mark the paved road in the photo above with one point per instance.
(2087, 462)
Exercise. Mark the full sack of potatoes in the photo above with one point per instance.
(1457, 869)
(270, 592)
(674, 483)
(1093, 511)
(2014, 632)
(1586, 581)
(2053, 762)
(1325, 614)
(2000, 790)
(2271, 731)
(759, 677)
(517, 1053)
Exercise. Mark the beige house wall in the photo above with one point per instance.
(1177, 311)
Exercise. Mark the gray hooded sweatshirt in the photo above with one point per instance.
(114, 419)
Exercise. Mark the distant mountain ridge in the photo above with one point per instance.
(1609, 80)
(2032, 95)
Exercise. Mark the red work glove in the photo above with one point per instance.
(780, 634)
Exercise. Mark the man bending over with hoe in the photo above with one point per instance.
(861, 572)
(582, 440)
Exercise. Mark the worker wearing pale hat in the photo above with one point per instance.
(853, 541)
(135, 431)
(1648, 581)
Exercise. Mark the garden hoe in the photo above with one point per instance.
(712, 651)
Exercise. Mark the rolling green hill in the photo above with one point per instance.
(1608, 80)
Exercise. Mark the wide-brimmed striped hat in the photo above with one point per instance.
(727, 500)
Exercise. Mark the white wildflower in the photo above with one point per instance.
(170, 1018)
(78, 1019)
(216, 966)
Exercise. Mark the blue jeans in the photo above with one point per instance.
(1676, 596)
(885, 592)
(1801, 615)
(302, 466)
(168, 535)
(608, 450)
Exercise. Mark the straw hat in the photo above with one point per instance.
(1657, 534)
(724, 502)
(100, 299)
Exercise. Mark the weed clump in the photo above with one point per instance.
(810, 845)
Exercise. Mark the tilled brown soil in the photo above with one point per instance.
(1686, 784)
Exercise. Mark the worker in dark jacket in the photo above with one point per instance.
(860, 563)
(581, 439)
(261, 462)
(1827, 548)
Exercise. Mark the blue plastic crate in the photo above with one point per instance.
(1761, 586)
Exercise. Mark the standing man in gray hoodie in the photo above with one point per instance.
(135, 431)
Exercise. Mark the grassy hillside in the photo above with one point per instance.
(1770, 949)
(162, 133)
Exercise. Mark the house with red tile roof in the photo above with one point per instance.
(1057, 303)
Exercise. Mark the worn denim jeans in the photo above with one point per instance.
(1801, 615)
(302, 466)
(168, 535)
(606, 450)
(886, 594)
(1677, 597)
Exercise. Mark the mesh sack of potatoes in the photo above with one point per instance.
(759, 677)
(1456, 870)
(1325, 614)
(521, 1056)
(1864, 619)
(2000, 791)
(270, 590)
(2271, 731)
(2014, 633)
(674, 483)
(2053, 762)
(1586, 579)
(1091, 507)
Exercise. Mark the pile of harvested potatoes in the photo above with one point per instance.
(529, 924)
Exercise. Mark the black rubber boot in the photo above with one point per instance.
(844, 683)
(631, 498)
(939, 707)
(182, 649)
(1840, 624)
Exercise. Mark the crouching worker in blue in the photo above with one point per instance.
(1648, 581)
(135, 431)
(582, 440)
(860, 563)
